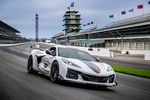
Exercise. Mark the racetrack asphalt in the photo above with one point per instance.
(17, 84)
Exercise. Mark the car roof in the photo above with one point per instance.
(64, 46)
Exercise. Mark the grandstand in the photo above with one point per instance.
(132, 33)
(130, 21)
(9, 34)
(55, 36)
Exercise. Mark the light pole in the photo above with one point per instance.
(36, 27)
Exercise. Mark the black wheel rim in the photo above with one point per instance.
(29, 65)
(54, 73)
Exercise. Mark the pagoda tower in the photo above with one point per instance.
(71, 20)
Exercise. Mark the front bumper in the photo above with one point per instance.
(79, 77)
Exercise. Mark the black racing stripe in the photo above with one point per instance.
(91, 66)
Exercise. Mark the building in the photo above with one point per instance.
(128, 34)
(54, 38)
(71, 20)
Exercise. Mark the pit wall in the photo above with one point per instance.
(105, 52)
(96, 51)
(146, 53)
(15, 44)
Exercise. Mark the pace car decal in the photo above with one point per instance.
(92, 66)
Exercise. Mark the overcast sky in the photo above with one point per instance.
(21, 13)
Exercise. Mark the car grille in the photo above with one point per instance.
(94, 78)
(74, 75)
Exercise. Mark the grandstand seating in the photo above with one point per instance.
(8, 34)
(129, 21)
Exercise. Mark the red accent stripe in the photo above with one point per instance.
(139, 6)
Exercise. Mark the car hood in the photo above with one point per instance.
(89, 67)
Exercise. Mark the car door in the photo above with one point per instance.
(47, 60)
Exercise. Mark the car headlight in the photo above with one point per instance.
(109, 68)
(69, 63)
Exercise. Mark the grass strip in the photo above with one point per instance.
(132, 71)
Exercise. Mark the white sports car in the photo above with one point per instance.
(65, 63)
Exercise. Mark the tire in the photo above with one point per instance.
(102, 87)
(30, 65)
(54, 72)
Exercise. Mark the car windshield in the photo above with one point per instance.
(74, 53)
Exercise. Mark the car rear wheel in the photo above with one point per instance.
(54, 72)
(30, 65)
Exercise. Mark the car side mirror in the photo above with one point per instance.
(90, 49)
(97, 59)
(48, 52)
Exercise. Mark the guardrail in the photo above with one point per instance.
(5, 45)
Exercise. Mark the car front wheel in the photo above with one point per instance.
(54, 72)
